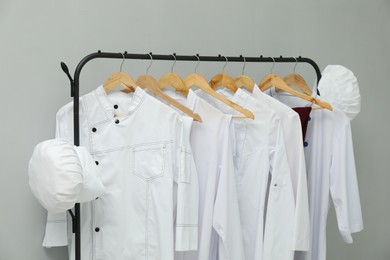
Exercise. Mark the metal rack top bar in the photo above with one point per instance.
(218, 58)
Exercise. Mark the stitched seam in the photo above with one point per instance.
(93, 234)
(146, 223)
(184, 167)
(129, 146)
(163, 148)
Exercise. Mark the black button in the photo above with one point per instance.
(97, 163)
(94, 129)
(116, 121)
(97, 229)
(305, 144)
(97, 198)
(309, 118)
(116, 106)
(276, 185)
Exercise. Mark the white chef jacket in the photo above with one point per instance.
(267, 219)
(139, 143)
(219, 221)
(292, 132)
(331, 171)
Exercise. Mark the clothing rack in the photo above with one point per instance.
(75, 93)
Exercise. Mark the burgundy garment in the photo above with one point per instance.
(304, 115)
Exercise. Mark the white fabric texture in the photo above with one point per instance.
(292, 133)
(331, 173)
(339, 86)
(140, 147)
(261, 165)
(61, 174)
(219, 222)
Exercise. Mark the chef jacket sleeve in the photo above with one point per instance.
(226, 217)
(187, 191)
(343, 183)
(279, 221)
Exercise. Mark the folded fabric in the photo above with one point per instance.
(61, 174)
(339, 86)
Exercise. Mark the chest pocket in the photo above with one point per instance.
(149, 161)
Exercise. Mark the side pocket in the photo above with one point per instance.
(185, 172)
(149, 161)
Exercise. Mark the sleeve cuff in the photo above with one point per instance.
(186, 237)
(56, 234)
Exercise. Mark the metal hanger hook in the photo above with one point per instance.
(224, 66)
(243, 67)
(150, 64)
(296, 63)
(123, 61)
(273, 66)
(197, 65)
(174, 63)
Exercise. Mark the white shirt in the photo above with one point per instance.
(267, 219)
(219, 221)
(139, 143)
(292, 133)
(331, 172)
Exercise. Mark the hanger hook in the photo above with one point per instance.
(224, 66)
(197, 65)
(273, 66)
(296, 63)
(243, 67)
(150, 64)
(123, 61)
(174, 63)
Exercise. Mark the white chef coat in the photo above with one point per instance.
(219, 221)
(267, 219)
(331, 171)
(292, 132)
(139, 143)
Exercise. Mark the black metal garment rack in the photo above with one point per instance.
(75, 93)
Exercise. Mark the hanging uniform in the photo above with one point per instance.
(261, 164)
(331, 173)
(219, 222)
(140, 145)
(296, 160)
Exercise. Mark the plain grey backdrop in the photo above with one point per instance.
(36, 35)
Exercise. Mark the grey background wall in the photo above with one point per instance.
(36, 35)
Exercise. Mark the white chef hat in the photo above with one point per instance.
(339, 86)
(61, 174)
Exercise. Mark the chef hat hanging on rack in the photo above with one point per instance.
(339, 86)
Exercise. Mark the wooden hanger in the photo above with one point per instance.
(297, 80)
(150, 83)
(121, 79)
(244, 80)
(174, 80)
(223, 80)
(198, 80)
(276, 81)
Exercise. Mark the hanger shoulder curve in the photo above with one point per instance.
(199, 81)
(276, 81)
(297, 80)
(120, 79)
(174, 80)
(150, 83)
(245, 82)
(224, 80)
